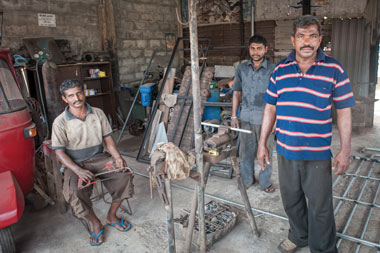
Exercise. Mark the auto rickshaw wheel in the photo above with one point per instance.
(7, 244)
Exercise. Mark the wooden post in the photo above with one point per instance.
(194, 206)
(197, 118)
(169, 216)
(244, 196)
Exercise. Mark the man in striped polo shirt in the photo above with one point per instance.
(300, 95)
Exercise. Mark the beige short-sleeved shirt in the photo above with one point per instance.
(81, 139)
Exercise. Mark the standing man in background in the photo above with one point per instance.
(300, 95)
(250, 83)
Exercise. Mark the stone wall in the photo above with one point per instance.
(141, 27)
(76, 21)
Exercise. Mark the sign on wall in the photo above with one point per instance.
(46, 19)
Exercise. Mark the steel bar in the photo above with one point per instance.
(191, 102)
(336, 181)
(218, 104)
(357, 240)
(357, 201)
(221, 199)
(368, 217)
(196, 92)
(154, 109)
(371, 149)
(188, 97)
(232, 128)
(244, 196)
(194, 206)
(136, 96)
(370, 178)
(348, 188)
(355, 206)
(169, 217)
(262, 212)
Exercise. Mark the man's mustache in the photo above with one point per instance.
(311, 47)
(78, 101)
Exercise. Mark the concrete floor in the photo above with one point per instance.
(48, 231)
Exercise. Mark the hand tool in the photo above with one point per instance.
(83, 184)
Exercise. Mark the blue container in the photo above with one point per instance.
(211, 112)
(146, 93)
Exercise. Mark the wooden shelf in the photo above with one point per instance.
(94, 78)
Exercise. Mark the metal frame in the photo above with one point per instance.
(342, 235)
(216, 104)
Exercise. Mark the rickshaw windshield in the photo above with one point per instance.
(10, 95)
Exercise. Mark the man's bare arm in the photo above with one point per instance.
(267, 123)
(66, 161)
(112, 149)
(342, 160)
(236, 98)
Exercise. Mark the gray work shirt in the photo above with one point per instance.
(253, 84)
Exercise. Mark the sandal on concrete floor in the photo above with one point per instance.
(121, 224)
(97, 243)
(269, 189)
(287, 246)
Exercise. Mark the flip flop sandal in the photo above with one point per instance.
(121, 224)
(269, 189)
(97, 238)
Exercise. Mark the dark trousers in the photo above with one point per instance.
(306, 191)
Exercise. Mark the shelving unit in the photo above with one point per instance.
(105, 99)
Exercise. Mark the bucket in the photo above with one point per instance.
(146, 93)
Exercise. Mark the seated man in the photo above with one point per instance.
(77, 139)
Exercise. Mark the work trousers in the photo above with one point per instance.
(119, 185)
(248, 152)
(306, 191)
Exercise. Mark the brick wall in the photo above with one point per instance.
(140, 28)
(76, 21)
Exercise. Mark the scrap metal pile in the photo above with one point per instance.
(219, 219)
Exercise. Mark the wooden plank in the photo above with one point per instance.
(153, 130)
(168, 89)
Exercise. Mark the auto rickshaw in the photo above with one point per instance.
(16, 151)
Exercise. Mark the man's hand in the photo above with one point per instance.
(235, 123)
(85, 175)
(120, 163)
(341, 162)
(263, 156)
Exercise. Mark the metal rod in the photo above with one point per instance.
(347, 237)
(347, 189)
(371, 178)
(357, 201)
(136, 96)
(232, 128)
(355, 206)
(368, 217)
(154, 109)
(196, 92)
(372, 149)
(191, 103)
(169, 216)
(221, 199)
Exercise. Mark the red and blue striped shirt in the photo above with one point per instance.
(303, 105)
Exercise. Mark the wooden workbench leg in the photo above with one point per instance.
(194, 206)
(62, 205)
(244, 196)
